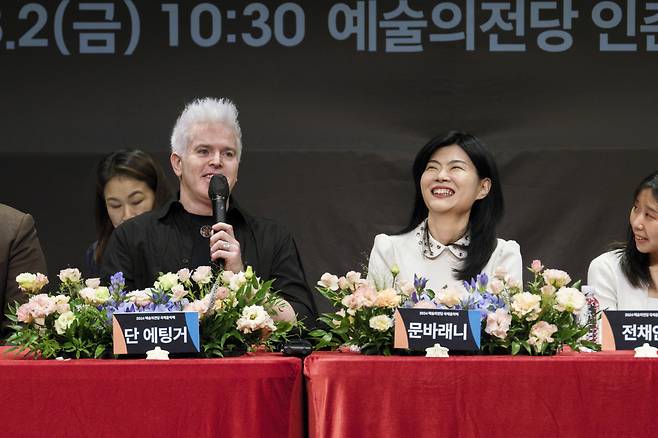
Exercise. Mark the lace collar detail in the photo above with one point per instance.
(432, 248)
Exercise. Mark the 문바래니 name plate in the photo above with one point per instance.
(139, 332)
(627, 329)
(418, 329)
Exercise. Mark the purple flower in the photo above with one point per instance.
(420, 283)
(117, 282)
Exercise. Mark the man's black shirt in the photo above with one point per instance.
(169, 239)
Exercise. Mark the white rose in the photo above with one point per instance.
(498, 323)
(343, 284)
(547, 290)
(95, 296)
(449, 297)
(93, 282)
(237, 281)
(178, 292)
(353, 277)
(62, 304)
(202, 275)
(496, 286)
(166, 281)
(26, 281)
(526, 305)
(381, 323)
(199, 306)
(540, 333)
(328, 281)
(70, 275)
(184, 274)
(569, 299)
(141, 298)
(556, 277)
(387, 298)
(64, 322)
(514, 285)
(226, 276)
(254, 318)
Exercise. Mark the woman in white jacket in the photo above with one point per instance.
(451, 236)
(626, 277)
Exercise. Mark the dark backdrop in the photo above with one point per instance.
(330, 130)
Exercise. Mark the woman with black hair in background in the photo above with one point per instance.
(626, 277)
(451, 236)
(128, 183)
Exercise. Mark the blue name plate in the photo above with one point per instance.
(139, 332)
(418, 329)
(627, 329)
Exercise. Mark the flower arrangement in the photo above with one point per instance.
(364, 321)
(238, 314)
(538, 321)
(69, 322)
(550, 314)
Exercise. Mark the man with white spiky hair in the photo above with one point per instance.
(207, 140)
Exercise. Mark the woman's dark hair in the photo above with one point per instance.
(485, 213)
(634, 264)
(131, 163)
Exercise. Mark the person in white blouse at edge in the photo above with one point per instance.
(452, 233)
(626, 278)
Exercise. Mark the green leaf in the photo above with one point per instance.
(516, 346)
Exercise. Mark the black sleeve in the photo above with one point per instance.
(118, 258)
(91, 269)
(290, 279)
(25, 255)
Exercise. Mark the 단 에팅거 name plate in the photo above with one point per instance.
(139, 332)
(418, 329)
(627, 329)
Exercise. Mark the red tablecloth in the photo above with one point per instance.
(577, 395)
(251, 396)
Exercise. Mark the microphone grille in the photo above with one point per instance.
(218, 186)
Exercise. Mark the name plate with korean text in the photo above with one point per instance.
(418, 329)
(627, 329)
(139, 332)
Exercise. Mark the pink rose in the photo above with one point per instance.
(24, 313)
(42, 306)
(540, 333)
(93, 282)
(536, 266)
(222, 293)
(343, 283)
(178, 292)
(556, 278)
(498, 323)
(184, 275)
(496, 286)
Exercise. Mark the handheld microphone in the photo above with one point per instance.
(218, 192)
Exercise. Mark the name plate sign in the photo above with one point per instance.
(139, 332)
(418, 329)
(627, 329)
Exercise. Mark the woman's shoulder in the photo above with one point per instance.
(607, 260)
(393, 239)
(507, 246)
